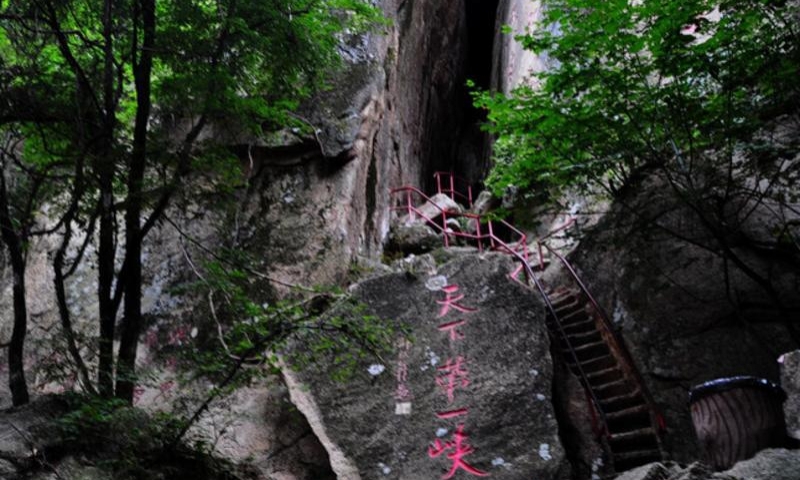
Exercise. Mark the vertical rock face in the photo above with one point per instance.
(391, 118)
(790, 381)
(472, 385)
(512, 64)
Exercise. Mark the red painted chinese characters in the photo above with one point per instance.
(450, 378)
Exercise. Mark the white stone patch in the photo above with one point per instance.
(193, 333)
(402, 408)
(540, 397)
(544, 452)
(619, 314)
(385, 469)
(376, 369)
(433, 359)
(534, 372)
(497, 462)
(441, 432)
(436, 283)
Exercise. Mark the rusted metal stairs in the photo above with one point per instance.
(631, 427)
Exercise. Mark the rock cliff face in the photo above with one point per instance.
(686, 315)
(473, 383)
(398, 113)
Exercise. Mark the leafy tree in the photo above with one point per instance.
(126, 96)
(701, 93)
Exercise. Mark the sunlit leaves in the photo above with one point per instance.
(626, 80)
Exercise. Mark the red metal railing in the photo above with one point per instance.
(447, 183)
(607, 329)
(520, 253)
(484, 235)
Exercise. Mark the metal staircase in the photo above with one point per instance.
(626, 420)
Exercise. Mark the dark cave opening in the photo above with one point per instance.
(480, 17)
(471, 150)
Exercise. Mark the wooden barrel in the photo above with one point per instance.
(736, 417)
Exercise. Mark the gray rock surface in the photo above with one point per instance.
(28, 431)
(668, 299)
(770, 464)
(413, 239)
(383, 423)
(790, 381)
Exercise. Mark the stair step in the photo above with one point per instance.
(613, 389)
(593, 365)
(641, 438)
(577, 316)
(621, 402)
(581, 327)
(559, 301)
(629, 412)
(569, 307)
(631, 418)
(559, 293)
(589, 351)
(583, 338)
(605, 375)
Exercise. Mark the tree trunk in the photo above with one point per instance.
(106, 252)
(16, 364)
(132, 308)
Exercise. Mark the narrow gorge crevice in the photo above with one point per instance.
(455, 140)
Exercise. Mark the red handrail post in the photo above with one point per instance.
(480, 237)
(444, 229)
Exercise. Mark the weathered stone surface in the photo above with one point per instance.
(413, 239)
(790, 381)
(669, 300)
(370, 433)
(770, 464)
(651, 471)
(417, 264)
(513, 64)
(28, 430)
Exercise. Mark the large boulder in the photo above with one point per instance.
(474, 380)
(790, 381)
(413, 239)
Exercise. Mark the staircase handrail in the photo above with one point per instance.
(604, 430)
(522, 243)
(606, 325)
(522, 258)
(451, 180)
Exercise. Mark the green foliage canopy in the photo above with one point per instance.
(630, 83)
